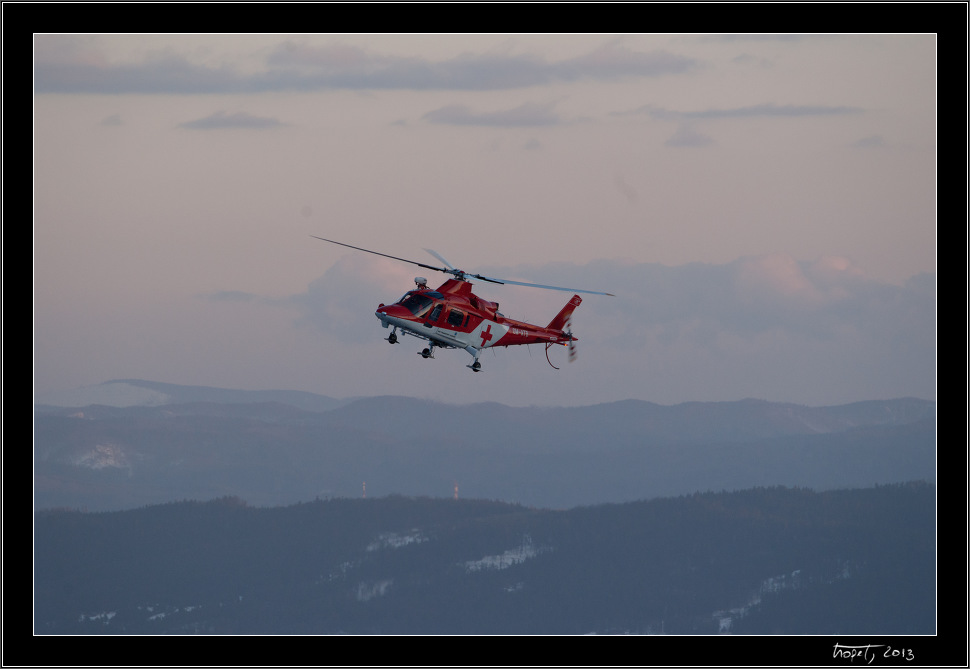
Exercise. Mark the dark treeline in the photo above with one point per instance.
(759, 561)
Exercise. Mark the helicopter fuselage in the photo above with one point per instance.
(454, 317)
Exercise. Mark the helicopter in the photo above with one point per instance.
(451, 316)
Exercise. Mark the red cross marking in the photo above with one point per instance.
(486, 335)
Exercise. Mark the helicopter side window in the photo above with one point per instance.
(455, 318)
(435, 313)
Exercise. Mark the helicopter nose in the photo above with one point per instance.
(393, 310)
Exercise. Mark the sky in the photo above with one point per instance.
(763, 208)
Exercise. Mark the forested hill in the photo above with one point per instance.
(759, 561)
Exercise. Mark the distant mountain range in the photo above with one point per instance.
(135, 392)
(129, 443)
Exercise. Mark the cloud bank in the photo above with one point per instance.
(766, 326)
(221, 120)
(767, 110)
(294, 66)
(522, 116)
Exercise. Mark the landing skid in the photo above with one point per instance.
(428, 352)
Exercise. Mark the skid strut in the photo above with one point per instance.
(476, 366)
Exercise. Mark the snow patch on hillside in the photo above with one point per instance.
(513, 556)
(103, 456)
(395, 540)
(368, 591)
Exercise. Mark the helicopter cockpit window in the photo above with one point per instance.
(417, 303)
(455, 318)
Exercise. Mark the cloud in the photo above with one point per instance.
(685, 136)
(767, 110)
(350, 67)
(341, 66)
(238, 120)
(528, 114)
(613, 61)
(341, 303)
(293, 66)
(823, 298)
(820, 298)
(766, 326)
(159, 74)
(779, 37)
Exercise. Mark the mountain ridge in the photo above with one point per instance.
(272, 452)
(138, 392)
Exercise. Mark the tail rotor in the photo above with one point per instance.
(572, 341)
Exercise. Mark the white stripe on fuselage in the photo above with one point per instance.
(487, 334)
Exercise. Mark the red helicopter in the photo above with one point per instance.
(453, 317)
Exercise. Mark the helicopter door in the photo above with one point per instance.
(433, 316)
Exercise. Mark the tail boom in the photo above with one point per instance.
(559, 322)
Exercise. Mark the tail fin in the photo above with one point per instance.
(559, 321)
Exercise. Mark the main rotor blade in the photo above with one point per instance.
(450, 269)
(439, 257)
(538, 285)
(413, 262)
